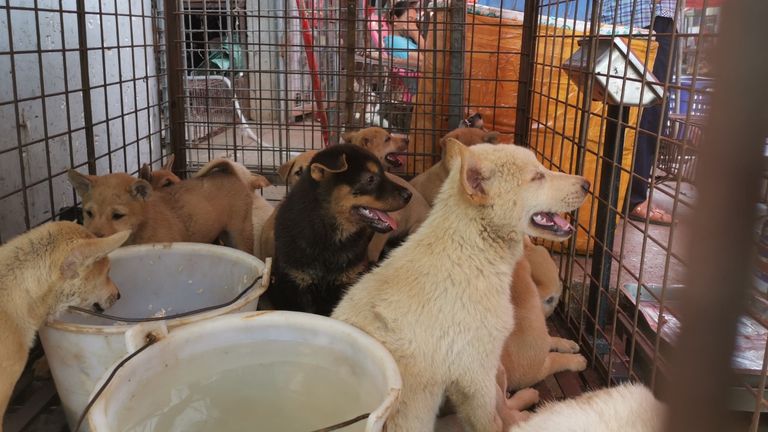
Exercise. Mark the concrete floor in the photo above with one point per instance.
(651, 254)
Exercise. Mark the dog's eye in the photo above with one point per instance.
(549, 300)
(299, 171)
(371, 179)
(167, 183)
(89, 213)
(387, 139)
(117, 216)
(538, 176)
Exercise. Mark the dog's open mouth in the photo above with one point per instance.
(552, 222)
(394, 159)
(379, 220)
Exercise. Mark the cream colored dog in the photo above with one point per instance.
(42, 272)
(441, 303)
(530, 354)
(626, 408)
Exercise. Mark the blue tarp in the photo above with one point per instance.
(560, 9)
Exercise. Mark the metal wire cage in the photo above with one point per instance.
(108, 86)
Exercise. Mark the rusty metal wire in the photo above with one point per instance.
(107, 86)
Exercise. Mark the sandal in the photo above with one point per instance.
(657, 216)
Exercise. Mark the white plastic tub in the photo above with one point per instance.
(270, 371)
(163, 279)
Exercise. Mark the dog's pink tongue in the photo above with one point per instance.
(560, 221)
(386, 218)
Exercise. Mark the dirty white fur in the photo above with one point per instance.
(626, 408)
(441, 303)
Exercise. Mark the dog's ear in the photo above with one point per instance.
(81, 182)
(145, 173)
(472, 178)
(87, 251)
(141, 189)
(285, 169)
(328, 163)
(259, 181)
(349, 137)
(453, 149)
(442, 143)
(491, 137)
(168, 166)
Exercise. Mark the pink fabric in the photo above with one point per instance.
(379, 29)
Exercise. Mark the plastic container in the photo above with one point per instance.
(154, 280)
(259, 371)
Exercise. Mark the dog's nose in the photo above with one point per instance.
(98, 234)
(118, 295)
(406, 194)
(585, 184)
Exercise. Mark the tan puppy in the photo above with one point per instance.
(625, 408)
(545, 275)
(197, 210)
(385, 146)
(440, 303)
(529, 353)
(261, 209)
(42, 272)
(161, 178)
(429, 182)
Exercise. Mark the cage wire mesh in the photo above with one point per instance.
(624, 274)
(107, 86)
(80, 88)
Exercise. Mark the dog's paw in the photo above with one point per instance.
(523, 399)
(564, 346)
(514, 417)
(579, 363)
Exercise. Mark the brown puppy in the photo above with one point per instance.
(545, 275)
(385, 146)
(197, 210)
(261, 209)
(429, 182)
(529, 353)
(161, 178)
(42, 272)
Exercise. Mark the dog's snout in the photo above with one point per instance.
(406, 194)
(404, 145)
(586, 185)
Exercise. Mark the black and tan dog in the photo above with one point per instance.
(323, 227)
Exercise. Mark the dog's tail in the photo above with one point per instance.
(253, 181)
